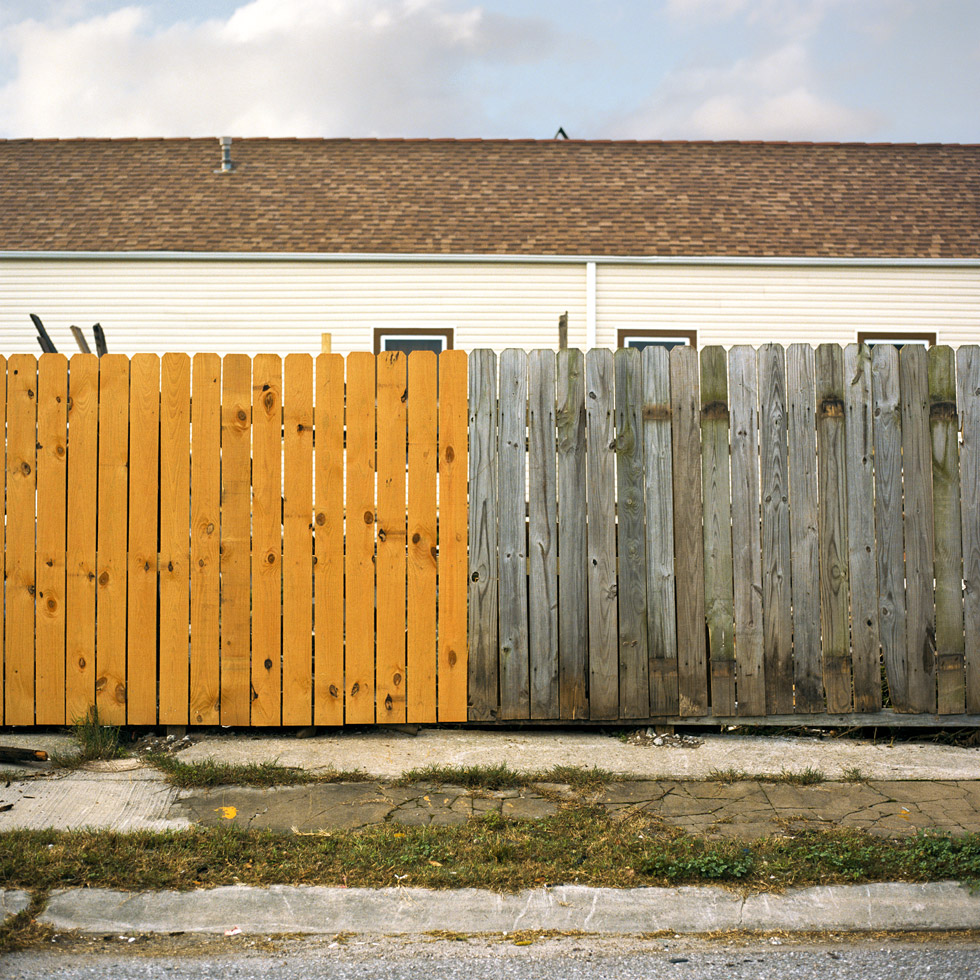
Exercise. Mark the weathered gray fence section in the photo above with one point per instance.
(725, 534)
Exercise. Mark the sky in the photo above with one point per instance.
(867, 70)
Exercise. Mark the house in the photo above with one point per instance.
(266, 244)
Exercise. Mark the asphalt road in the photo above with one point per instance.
(578, 958)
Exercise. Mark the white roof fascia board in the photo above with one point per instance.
(720, 260)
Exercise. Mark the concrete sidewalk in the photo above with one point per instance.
(902, 788)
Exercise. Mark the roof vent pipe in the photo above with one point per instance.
(225, 155)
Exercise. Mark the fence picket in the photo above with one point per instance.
(297, 541)
(422, 555)
(52, 485)
(391, 567)
(968, 402)
(234, 556)
(801, 438)
(634, 666)
(889, 532)
(21, 491)
(601, 476)
(832, 528)
(659, 513)
(110, 656)
(776, 556)
(175, 421)
(688, 542)
(83, 438)
(143, 572)
(716, 481)
(859, 432)
(747, 532)
(484, 699)
(512, 536)
(542, 536)
(205, 538)
(452, 536)
(573, 602)
(328, 568)
(944, 430)
(920, 622)
(359, 612)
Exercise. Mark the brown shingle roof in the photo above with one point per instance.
(492, 197)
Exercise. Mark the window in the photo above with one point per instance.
(641, 338)
(898, 338)
(407, 339)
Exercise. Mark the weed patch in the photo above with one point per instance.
(94, 741)
(499, 776)
(803, 777)
(199, 775)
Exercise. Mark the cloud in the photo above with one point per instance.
(772, 96)
(271, 68)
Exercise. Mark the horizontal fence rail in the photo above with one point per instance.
(244, 541)
(781, 533)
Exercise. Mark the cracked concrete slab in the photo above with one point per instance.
(12, 901)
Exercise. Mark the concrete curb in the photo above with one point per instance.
(12, 902)
(390, 911)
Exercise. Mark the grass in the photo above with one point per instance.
(803, 777)
(199, 775)
(578, 845)
(22, 930)
(495, 777)
(94, 741)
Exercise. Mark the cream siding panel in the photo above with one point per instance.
(279, 305)
(760, 304)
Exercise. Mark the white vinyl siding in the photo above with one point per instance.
(282, 305)
(761, 304)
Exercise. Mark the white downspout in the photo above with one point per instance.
(589, 305)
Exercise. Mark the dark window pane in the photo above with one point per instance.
(408, 344)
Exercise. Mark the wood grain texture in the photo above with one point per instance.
(716, 484)
(205, 539)
(143, 572)
(600, 405)
(944, 432)
(422, 553)
(18, 616)
(832, 530)
(52, 487)
(659, 512)
(391, 562)
(688, 541)
(484, 699)
(110, 659)
(83, 440)
(175, 471)
(920, 621)
(859, 431)
(328, 569)
(968, 402)
(452, 536)
(359, 608)
(747, 532)
(235, 553)
(573, 601)
(634, 655)
(297, 541)
(512, 536)
(889, 523)
(266, 540)
(542, 536)
(776, 555)
(801, 442)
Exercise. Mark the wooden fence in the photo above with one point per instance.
(747, 534)
(222, 540)
(701, 535)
